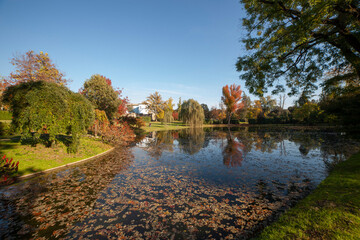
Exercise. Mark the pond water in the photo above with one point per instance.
(188, 184)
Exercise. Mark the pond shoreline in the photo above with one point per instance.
(330, 211)
(31, 175)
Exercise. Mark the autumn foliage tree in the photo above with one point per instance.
(32, 67)
(231, 99)
(155, 104)
(217, 115)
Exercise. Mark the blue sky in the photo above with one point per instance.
(180, 48)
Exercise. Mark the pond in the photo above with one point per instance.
(188, 184)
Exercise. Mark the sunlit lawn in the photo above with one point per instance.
(39, 158)
(332, 211)
(158, 126)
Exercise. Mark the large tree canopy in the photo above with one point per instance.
(43, 107)
(192, 113)
(299, 40)
(99, 91)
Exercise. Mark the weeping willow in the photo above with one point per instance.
(192, 113)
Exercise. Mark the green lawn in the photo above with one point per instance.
(39, 158)
(332, 211)
(5, 115)
(158, 126)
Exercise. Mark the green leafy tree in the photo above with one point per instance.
(206, 111)
(267, 104)
(47, 108)
(299, 40)
(179, 108)
(98, 91)
(192, 113)
(309, 112)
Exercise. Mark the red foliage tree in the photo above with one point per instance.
(231, 99)
(175, 115)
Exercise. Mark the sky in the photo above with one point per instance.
(180, 48)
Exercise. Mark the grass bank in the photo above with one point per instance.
(332, 211)
(40, 158)
(158, 126)
(5, 115)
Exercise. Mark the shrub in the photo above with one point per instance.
(5, 129)
(140, 123)
(146, 118)
(119, 134)
(8, 170)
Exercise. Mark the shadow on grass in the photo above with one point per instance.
(28, 171)
(6, 145)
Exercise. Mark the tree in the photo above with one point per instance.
(47, 108)
(231, 98)
(179, 108)
(3, 85)
(192, 113)
(267, 104)
(32, 67)
(299, 40)
(168, 109)
(206, 111)
(155, 104)
(242, 113)
(254, 110)
(217, 114)
(99, 91)
(309, 112)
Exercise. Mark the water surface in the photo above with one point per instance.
(189, 184)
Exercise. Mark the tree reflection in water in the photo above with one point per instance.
(191, 140)
(233, 153)
(188, 194)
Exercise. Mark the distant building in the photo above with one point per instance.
(141, 110)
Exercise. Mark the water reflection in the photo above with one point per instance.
(233, 153)
(192, 140)
(334, 147)
(190, 184)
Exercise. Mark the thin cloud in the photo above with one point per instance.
(166, 91)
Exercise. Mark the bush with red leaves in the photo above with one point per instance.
(8, 170)
(118, 134)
